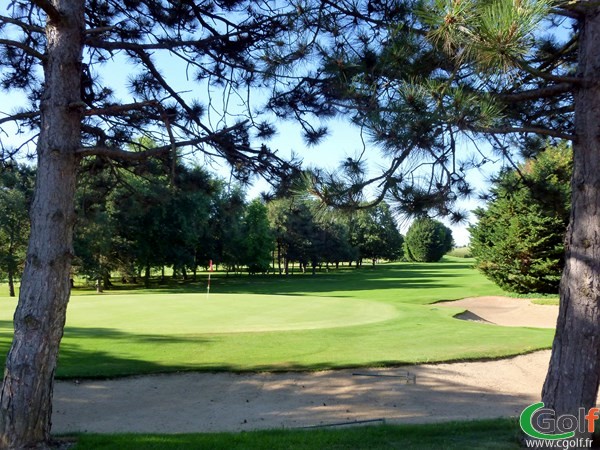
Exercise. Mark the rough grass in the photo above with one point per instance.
(369, 317)
(500, 434)
(461, 252)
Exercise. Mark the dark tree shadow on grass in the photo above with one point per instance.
(446, 274)
(77, 360)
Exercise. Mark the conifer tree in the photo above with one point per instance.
(430, 75)
(518, 238)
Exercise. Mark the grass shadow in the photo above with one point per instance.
(450, 273)
(498, 434)
(83, 352)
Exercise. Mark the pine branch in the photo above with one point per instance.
(534, 94)
(125, 155)
(162, 45)
(25, 48)
(53, 14)
(147, 61)
(20, 116)
(532, 130)
(565, 13)
(95, 131)
(119, 110)
(548, 76)
(23, 25)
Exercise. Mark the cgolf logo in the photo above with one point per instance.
(541, 423)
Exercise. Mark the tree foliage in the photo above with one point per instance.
(427, 240)
(375, 234)
(258, 242)
(439, 73)
(423, 78)
(518, 239)
(61, 57)
(16, 187)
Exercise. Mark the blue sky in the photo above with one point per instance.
(344, 139)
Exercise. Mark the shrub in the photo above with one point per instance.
(427, 240)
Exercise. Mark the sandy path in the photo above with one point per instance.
(197, 402)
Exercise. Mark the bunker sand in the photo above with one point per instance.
(209, 402)
(506, 311)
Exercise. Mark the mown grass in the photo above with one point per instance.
(553, 300)
(481, 435)
(369, 317)
(452, 278)
(461, 252)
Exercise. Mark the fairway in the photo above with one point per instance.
(371, 317)
(223, 313)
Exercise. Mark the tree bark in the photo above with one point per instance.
(11, 283)
(279, 258)
(26, 397)
(147, 276)
(574, 371)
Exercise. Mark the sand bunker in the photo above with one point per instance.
(506, 311)
(207, 402)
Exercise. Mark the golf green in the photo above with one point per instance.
(223, 313)
(372, 317)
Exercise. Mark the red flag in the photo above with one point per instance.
(210, 266)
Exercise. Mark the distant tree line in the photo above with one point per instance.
(307, 234)
(134, 222)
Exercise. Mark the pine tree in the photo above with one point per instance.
(423, 79)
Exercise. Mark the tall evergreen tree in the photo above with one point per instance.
(420, 76)
(258, 241)
(518, 239)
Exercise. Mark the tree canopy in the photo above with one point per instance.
(57, 55)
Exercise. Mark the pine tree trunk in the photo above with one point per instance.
(11, 283)
(147, 275)
(574, 372)
(279, 258)
(26, 398)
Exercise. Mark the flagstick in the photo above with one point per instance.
(208, 286)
